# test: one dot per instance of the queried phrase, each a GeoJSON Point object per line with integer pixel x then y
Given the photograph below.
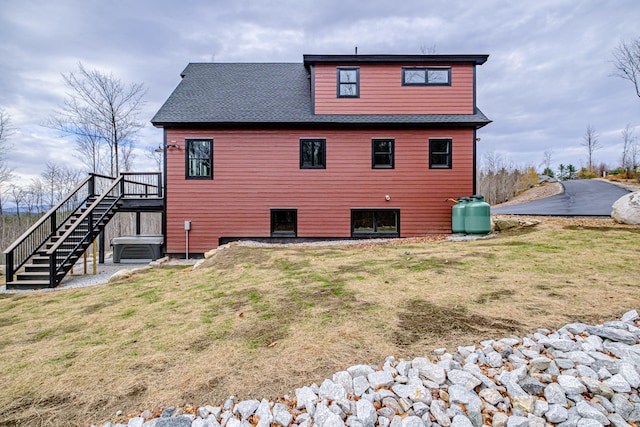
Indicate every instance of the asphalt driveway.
{"type": "Point", "coordinates": [585, 197]}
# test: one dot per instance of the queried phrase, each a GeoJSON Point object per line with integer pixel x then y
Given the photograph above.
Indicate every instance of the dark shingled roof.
{"type": "Point", "coordinates": [269, 93]}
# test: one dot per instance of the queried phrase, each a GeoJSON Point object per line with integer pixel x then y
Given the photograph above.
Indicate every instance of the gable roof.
{"type": "Point", "coordinates": [269, 93]}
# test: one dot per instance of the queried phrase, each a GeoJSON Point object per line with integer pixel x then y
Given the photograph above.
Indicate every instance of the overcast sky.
{"type": "Point", "coordinates": [549, 73]}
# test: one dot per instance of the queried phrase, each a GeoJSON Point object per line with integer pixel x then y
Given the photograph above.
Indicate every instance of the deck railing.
{"type": "Point", "coordinates": [142, 184]}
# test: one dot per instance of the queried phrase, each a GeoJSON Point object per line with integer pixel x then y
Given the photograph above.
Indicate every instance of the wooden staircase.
{"type": "Point", "coordinates": [49, 249]}
{"type": "Point", "coordinates": [36, 272]}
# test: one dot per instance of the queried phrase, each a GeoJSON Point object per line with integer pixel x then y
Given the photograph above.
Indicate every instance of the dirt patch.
{"type": "Point", "coordinates": [600, 229]}
{"type": "Point", "coordinates": [230, 257]}
{"type": "Point", "coordinates": [421, 320]}
{"type": "Point", "coordinates": [494, 296]}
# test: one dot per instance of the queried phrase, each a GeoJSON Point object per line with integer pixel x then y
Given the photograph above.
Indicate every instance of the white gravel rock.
{"type": "Point", "coordinates": [618, 384]}
{"type": "Point", "coordinates": [587, 380]}
{"type": "Point", "coordinates": [571, 384]}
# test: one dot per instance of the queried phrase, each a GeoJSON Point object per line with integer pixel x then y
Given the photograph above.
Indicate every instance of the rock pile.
{"type": "Point", "coordinates": [578, 376]}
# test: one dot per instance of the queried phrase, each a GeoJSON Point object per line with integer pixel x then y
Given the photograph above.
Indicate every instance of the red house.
{"type": "Point", "coordinates": [338, 146]}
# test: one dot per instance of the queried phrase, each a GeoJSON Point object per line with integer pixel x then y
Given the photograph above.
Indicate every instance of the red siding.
{"type": "Point", "coordinates": [255, 171]}
{"type": "Point", "coordinates": [381, 92]}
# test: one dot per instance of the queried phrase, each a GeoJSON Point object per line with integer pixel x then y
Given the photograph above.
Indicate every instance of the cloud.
{"type": "Point", "coordinates": [549, 74]}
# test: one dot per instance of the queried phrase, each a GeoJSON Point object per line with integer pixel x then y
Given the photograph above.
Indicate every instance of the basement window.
{"type": "Point", "coordinates": [284, 222]}
{"type": "Point", "coordinates": [368, 223]}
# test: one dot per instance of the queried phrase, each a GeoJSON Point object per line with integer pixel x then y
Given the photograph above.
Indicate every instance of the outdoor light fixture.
{"type": "Point", "coordinates": [160, 149]}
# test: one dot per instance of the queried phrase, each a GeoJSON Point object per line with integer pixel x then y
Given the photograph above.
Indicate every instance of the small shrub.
{"type": "Point", "coordinates": [585, 173]}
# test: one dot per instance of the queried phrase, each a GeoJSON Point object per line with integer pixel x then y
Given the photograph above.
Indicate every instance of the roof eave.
{"type": "Point", "coordinates": [477, 124]}
{"type": "Point", "coordinates": [477, 59]}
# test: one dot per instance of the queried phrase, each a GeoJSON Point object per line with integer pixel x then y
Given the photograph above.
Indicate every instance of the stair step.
{"type": "Point", "coordinates": [28, 284]}
{"type": "Point", "coordinates": [36, 268]}
{"type": "Point", "coordinates": [37, 259]}
{"type": "Point", "coordinates": [35, 275]}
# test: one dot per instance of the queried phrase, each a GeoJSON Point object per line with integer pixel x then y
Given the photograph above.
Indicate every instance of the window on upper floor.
{"type": "Point", "coordinates": [439, 154]}
{"type": "Point", "coordinates": [348, 82]}
{"type": "Point", "coordinates": [199, 159]}
{"type": "Point", "coordinates": [426, 76]}
{"type": "Point", "coordinates": [313, 154]}
{"type": "Point", "coordinates": [382, 153]}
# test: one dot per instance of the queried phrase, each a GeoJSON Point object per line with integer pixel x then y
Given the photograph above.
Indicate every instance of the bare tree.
{"type": "Point", "coordinates": [51, 177]}
{"type": "Point", "coordinates": [628, 141]}
{"type": "Point", "coordinates": [128, 155]}
{"type": "Point", "coordinates": [58, 181]}
{"type": "Point", "coordinates": [634, 156]}
{"type": "Point", "coordinates": [69, 178]}
{"type": "Point", "coordinates": [546, 163]}
{"type": "Point", "coordinates": [428, 50]}
{"type": "Point", "coordinates": [37, 193]}
{"type": "Point", "coordinates": [591, 143]}
{"type": "Point", "coordinates": [626, 58]}
{"type": "Point", "coordinates": [6, 130]}
{"type": "Point", "coordinates": [100, 106]}
{"type": "Point", "coordinates": [154, 154]}
{"type": "Point", "coordinates": [89, 147]}
{"type": "Point", "coordinates": [18, 194]}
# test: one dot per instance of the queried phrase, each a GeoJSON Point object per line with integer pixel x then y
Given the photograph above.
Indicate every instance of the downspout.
{"type": "Point", "coordinates": [475, 166]}
{"type": "Point", "coordinates": [475, 138]}
{"type": "Point", "coordinates": [164, 190]}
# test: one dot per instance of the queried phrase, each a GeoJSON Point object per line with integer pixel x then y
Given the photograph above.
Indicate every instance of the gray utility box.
{"type": "Point", "coordinates": [137, 249]}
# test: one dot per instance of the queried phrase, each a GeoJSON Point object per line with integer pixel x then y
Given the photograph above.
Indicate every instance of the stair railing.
{"type": "Point", "coordinates": [59, 257]}
{"type": "Point", "coordinates": [35, 237]}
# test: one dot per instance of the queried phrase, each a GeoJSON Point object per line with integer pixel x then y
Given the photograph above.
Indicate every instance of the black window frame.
{"type": "Point", "coordinates": [340, 83]}
{"type": "Point", "coordinates": [375, 233]}
{"type": "Point", "coordinates": [284, 234]}
{"type": "Point", "coordinates": [391, 153]}
{"type": "Point", "coordinates": [433, 153]}
{"type": "Point", "coordinates": [426, 81]}
{"type": "Point", "coordinates": [323, 143]}
{"type": "Point", "coordinates": [188, 158]}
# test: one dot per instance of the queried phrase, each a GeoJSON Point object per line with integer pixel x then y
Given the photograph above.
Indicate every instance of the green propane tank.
{"type": "Point", "coordinates": [457, 215]}
{"type": "Point", "coordinates": [477, 216]}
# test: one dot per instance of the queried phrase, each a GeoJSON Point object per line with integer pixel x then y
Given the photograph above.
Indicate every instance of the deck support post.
{"type": "Point", "coordinates": [138, 223]}
{"type": "Point", "coordinates": [101, 247]}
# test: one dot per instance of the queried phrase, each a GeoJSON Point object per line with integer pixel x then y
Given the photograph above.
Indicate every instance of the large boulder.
{"type": "Point", "coordinates": [626, 210]}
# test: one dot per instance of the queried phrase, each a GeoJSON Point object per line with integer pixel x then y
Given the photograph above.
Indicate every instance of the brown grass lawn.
{"type": "Point", "coordinates": [260, 322]}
